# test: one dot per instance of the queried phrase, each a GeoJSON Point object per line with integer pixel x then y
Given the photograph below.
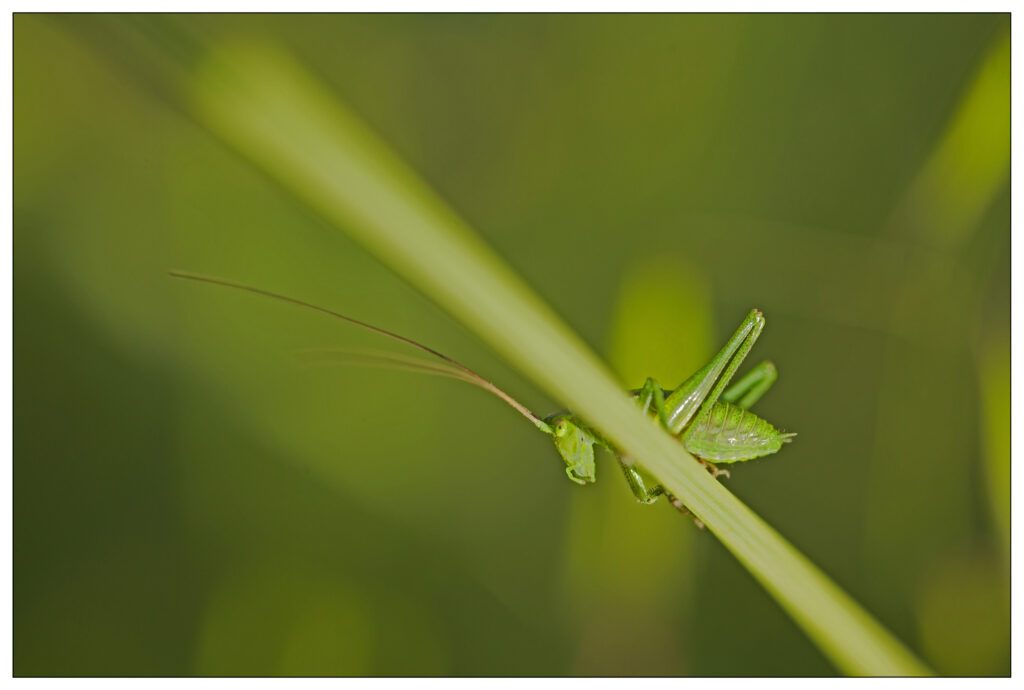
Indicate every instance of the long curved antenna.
{"type": "Point", "coordinates": [382, 360]}
{"type": "Point", "coordinates": [467, 374]}
{"type": "Point", "coordinates": [387, 360]}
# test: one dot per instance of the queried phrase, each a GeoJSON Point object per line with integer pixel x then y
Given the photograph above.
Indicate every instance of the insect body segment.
{"type": "Point", "coordinates": [711, 418]}
{"type": "Point", "coordinates": [733, 434]}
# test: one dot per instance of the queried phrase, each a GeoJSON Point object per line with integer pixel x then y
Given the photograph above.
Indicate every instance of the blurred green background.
{"type": "Point", "coordinates": [191, 500]}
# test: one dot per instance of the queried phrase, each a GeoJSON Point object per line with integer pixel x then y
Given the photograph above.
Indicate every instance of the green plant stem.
{"type": "Point", "coordinates": [279, 117]}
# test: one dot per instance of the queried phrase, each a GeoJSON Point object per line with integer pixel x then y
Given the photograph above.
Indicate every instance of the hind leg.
{"type": "Point", "coordinates": [698, 394]}
{"type": "Point", "coordinates": [749, 389]}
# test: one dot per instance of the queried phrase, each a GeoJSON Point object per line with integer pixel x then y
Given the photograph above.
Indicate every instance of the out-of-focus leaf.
{"type": "Point", "coordinates": [916, 430]}
{"type": "Point", "coordinates": [269, 621]}
{"type": "Point", "coordinates": [971, 161]}
{"type": "Point", "coordinates": [994, 380]}
{"type": "Point", "coordinates": [663, 324]}
{"type": "Point", "coordinates": [964, 616]}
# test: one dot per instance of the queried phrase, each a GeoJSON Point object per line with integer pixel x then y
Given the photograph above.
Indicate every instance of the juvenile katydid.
{"type": "Point", "coordinates": [711, 419]}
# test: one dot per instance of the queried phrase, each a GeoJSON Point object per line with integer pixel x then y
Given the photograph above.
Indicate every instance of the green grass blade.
{"type": "Point", "coordinates": [280, 118]}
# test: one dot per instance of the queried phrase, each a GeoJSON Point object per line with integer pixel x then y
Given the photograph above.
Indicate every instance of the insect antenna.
{"type": "Point", "coordinates": [385, 360]}
{"type": "Point", "coordinates": [446, 367]}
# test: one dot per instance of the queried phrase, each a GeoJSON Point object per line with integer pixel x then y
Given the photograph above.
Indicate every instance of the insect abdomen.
{"type": "Point", "coordinates": [732, 434]}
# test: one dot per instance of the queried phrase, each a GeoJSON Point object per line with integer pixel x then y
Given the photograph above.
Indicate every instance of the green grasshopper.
{"type": "Point", "coordinates": [712, 419]}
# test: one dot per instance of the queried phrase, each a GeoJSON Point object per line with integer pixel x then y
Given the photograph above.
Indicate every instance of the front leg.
{"type": "Point", "coordinates": [644, 487]}
{"type": "Point", "coordinates": [652, 396]}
